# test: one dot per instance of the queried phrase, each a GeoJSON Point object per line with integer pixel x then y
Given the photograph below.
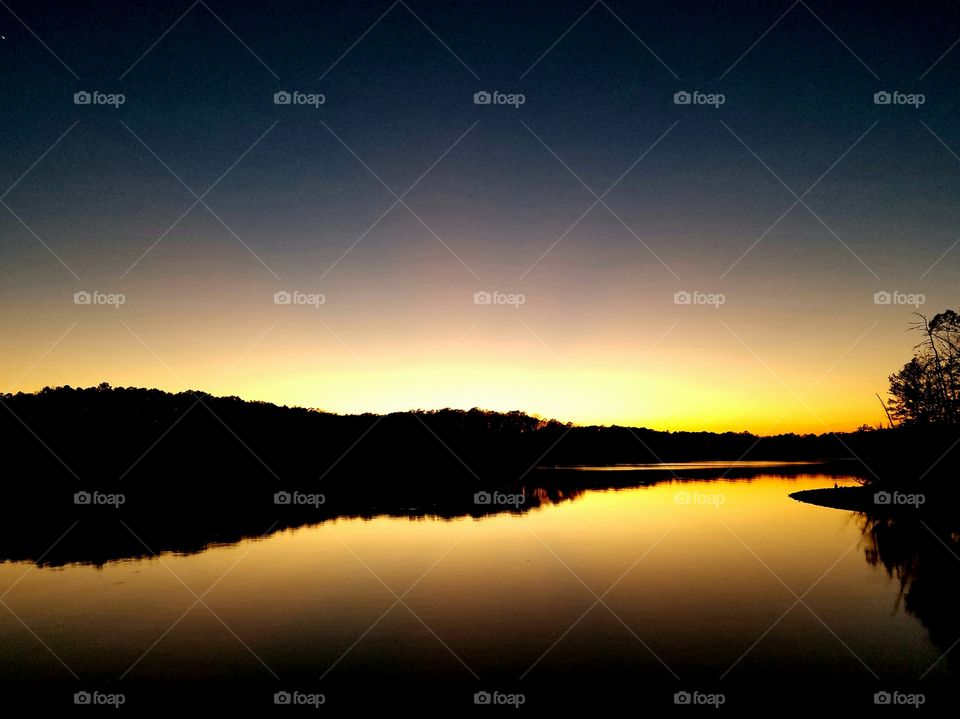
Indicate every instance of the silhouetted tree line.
{"type": "Point", "coordinates": [122, 434]}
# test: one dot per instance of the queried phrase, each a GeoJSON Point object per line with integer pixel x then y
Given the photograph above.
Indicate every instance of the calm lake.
{"type": "Point", "coordinates": [712, 587]}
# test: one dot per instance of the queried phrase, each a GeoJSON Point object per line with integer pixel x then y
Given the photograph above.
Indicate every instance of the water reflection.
{"type": "Point", "coordinates": [923, 557]}
{"type": "Point", "coordinates": [507, 598]}
{"type": "Point", "coordinates": [99, 535]}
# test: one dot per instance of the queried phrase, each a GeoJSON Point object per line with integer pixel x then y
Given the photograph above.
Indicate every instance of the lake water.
{"type": "Point", "coordinates": [710, 587]}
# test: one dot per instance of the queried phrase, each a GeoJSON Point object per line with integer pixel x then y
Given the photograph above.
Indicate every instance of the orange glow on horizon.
{"type": "Point", "coordinates": [665, 368]}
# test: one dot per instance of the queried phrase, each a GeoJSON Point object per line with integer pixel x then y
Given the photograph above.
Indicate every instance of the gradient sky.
{"type": "Point", "coordinates": [798, 345]}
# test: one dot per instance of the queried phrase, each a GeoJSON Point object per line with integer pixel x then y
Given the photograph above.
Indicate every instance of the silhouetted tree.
{"type": "Point", "coordinates": [927, 389]}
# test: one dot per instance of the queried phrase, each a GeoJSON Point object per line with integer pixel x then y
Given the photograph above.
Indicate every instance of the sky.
{"type": "Point", "coordinates": [707, 265]}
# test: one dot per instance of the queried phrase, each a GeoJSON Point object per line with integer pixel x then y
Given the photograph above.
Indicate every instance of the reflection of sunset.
{"type": "Point", "coordinates": [500, 590]}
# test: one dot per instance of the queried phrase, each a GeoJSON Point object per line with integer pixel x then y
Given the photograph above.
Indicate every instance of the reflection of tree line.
{"type": "Point", "coordinates": [102, 535]}
{"type": "Point", "coordinates": [924, 557]}
{"type": "Point", "coordinates": [105, 534]}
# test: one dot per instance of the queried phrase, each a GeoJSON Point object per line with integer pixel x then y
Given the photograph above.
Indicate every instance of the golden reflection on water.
{"type": "Point", "coordinates": [698, 569]}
